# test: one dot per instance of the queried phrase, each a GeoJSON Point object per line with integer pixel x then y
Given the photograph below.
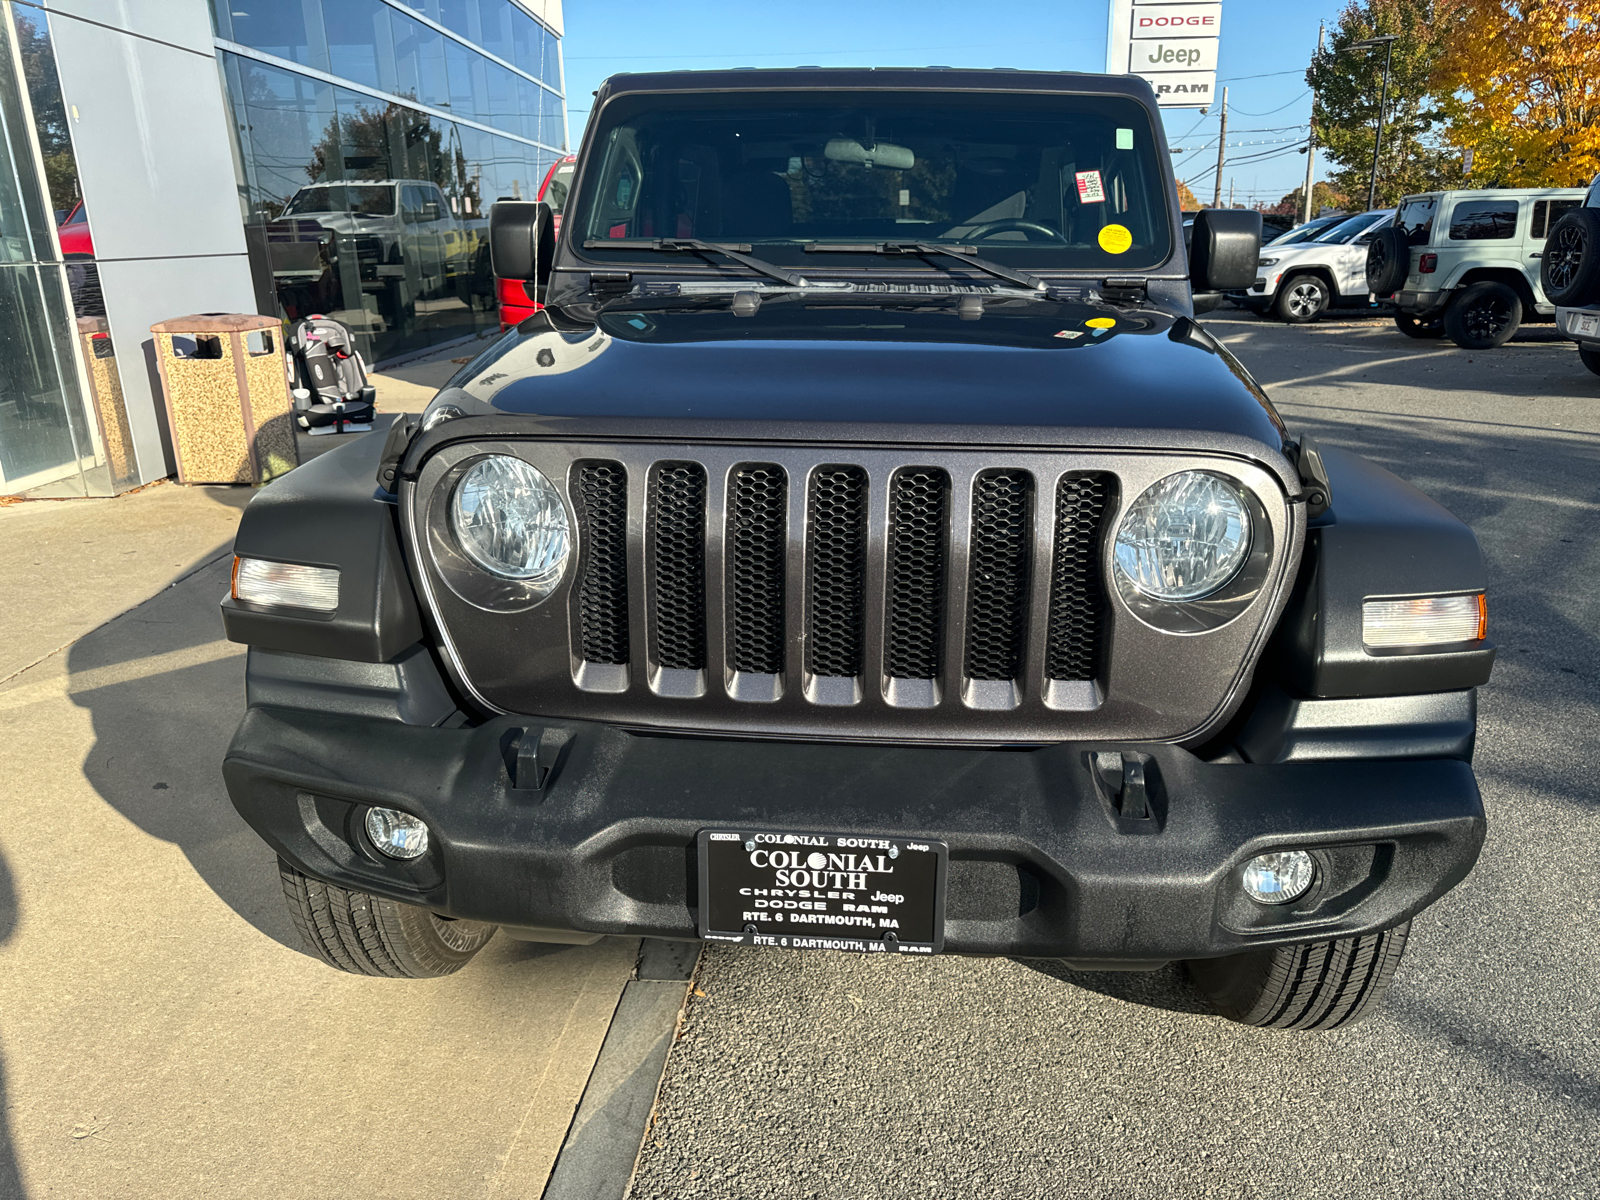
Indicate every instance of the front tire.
{"type": "Point", "coordinates": [1301, 300]}
{"type": "Point", "coordinates": [372, 935]}
{"type": "Point", "coordinates": [1591, 358]}
{"type": "Point", "coordinates": [1417, 327]}
{"type": "Point", "coordinates": [1483, 316]}
{"type": "Point", "coordinates": [1321, 986]}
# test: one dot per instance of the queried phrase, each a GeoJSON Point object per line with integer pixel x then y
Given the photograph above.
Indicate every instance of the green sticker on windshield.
{"type": "Point", "coordinates": [1124, 139]}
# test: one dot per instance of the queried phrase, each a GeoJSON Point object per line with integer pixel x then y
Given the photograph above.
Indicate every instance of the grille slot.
{"type": "Point", "coordinates": [1077, 597]}
{"type": "Point", "coordinates": [836, 561]}
{"type": "Point", "coordinates": [601, 493]}
{"type": "Point", "coordinates": [919, 518]}
{"type": "Point", "coordinates": [758, 498]}
{"type": "Point", "coordinates": [997, 589]}
{"type": "Point", "coordinates": [677, 536]}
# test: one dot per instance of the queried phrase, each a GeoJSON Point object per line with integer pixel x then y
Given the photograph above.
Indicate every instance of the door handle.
{"type": "Point", "coordinates": [1536, 256]}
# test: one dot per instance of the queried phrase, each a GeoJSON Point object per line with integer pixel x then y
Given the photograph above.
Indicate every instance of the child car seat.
{"type": "Point", "coordinates": [327, 378]}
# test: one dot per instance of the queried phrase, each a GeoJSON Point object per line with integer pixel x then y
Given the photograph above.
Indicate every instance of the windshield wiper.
{"type": "Point", "coordinates": [696, 246]}
{"type": "Point", "coordinates": [967, 254]}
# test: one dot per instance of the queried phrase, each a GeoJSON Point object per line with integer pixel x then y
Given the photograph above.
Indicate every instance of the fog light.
{"type": "Point", "coordinates": [397, 834]}
{"type": "Point", "coordinates": [1280, 877]}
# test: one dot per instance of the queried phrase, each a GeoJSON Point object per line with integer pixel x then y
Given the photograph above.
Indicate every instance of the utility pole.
{"type": "Point", "coordinates": [1230, 191]}
{"type": "Point", "coordinates": [1222, 150]}
{"type": "Point", "coordinates": [1311, 134]}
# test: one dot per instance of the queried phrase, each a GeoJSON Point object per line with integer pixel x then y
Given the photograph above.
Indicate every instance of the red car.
{"type": "Point", "coordinates": [74, 233]}
{"type": "Point", "coordinates": [515, 304]}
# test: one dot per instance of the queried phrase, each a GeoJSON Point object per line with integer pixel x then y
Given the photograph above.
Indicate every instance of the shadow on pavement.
{"type": "Point", "coordinates": [162, 724]}
{"type": "Point", "coordinates": [10, 1173]}
{"type": "Point", "coordinates": [1168, 989]}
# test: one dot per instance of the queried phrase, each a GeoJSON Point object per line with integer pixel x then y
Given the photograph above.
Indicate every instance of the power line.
{"type": "Point", "coordinates": [1280, 107]}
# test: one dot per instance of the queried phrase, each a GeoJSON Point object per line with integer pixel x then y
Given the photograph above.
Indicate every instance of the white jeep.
{"type": "Point", "coordinates": [1466, 263]}
{"type": "Point", "coordinates": [1299, 281]}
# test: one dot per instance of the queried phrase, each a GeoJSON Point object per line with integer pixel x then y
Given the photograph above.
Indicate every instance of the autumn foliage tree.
{"type": "Point", "coordinates": [1186, 200]}
{"type": "Point", "coordinates": [1349, 86]}
{"type": "Point", "coordinates": [1520, 87]}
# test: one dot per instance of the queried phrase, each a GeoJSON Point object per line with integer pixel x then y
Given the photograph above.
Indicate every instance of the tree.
{"type": "Point", "coordinates": [49, 113]}
{"type": "Point", "coordinates": [1348, 86]}
{"type": "Point", "coordinates": [1186, 200]}
{"type": "Point", "coordinates": [1521, 81]}
{"type": "Point", "coordinates": [1323, 195]}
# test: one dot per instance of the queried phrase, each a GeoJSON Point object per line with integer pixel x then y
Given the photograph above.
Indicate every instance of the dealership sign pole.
{"type": "Point", "coordinates": [1170, 43]}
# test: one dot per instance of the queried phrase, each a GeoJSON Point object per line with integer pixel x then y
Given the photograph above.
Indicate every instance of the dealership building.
{"type": "Point", "coordinates": [281, 157]}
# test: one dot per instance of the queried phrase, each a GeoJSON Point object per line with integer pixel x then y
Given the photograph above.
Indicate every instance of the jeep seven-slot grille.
{"type": "Point", "coordinates": [836, 566]}
{"type": "Point", "coordinates": [602, 504]}
{"type": "Point", "coordinates": [997, 592]}
{"type": "Point", "coordinates": [677, 532]}
{"type": "Point", "coordinates": [919, 528]}
{"type": "Point", "coordinates": [1077, 603]}
{"type": "Point", "coordinates": [758, 498]}
{"type": "Point", "coordinates": [834, 571]}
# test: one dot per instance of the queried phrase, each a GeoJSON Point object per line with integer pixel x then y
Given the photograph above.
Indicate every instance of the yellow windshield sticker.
{"type": "Point", "coordinates": [1100, 322]}
{"type": "Point", "coordinates": [1115, 239]}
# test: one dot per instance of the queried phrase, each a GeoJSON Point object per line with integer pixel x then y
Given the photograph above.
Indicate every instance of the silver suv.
{"type": "Point", "coordinates": [1466, 263]}
{"type": "Point", "coordinates": [1298, 282]}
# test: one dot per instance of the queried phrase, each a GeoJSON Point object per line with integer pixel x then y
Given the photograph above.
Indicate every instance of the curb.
{"type": "Point", "coordinates": [597, 1158]}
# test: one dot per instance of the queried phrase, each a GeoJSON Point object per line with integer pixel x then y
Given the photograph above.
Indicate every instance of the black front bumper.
{"type": "Point", "coordinates": [1041, 863]}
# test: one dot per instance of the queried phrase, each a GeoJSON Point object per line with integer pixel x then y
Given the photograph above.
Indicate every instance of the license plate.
{"type": "Point", "coordinates": [1584, 324]}
{"type": "Point", "coordinates": [822, 891]}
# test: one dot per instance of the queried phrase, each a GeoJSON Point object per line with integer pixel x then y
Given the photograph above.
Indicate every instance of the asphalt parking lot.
{"type": "Point", "coordinates": [821, 1075]}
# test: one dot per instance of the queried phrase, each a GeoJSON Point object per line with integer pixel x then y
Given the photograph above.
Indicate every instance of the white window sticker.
{"type": "Point", "coordinates": [1124, 139]}
{"type": "Point", "coordinates": [1090, 189]}
{"type": "Point", "coordinates": [905, 197]}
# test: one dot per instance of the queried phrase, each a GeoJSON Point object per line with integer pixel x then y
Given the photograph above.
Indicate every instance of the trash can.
{"type": "Point", "coordinates": [227, 394]}
{"type": "Point", "coordinates": [105, 392]}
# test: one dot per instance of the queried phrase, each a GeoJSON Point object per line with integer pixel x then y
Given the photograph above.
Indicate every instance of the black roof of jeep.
{"type": "Point", "coordinates": [940, 79]}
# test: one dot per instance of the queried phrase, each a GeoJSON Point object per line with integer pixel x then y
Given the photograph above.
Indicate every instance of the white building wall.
{"type": "Point", "coordinates": [155, 163]}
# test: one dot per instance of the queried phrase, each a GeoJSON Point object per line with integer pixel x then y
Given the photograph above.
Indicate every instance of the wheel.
{"type": "Point", "coordinates": [1301, 300]}
{"type": "Point", "coordinates": [1419, 327]}
{"type": "Point", "coordinates": [1388, 261]}
{"type": "Point", "coordinates": [1324, 985]}
{"type": "Point", "coordinates": [1483, 316]}
{"type": "Point", "coordinates": [1590, 357]}
{"type": "Point", "coordinates": [1569, 272]}
{"type": "Point", "coordinates": [372, 935]}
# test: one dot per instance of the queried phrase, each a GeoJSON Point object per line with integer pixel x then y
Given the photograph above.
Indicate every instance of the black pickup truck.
{"type": "Point", "coordinates": [865, 549]}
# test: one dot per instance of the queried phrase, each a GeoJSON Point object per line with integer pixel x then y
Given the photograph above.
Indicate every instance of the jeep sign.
{"type": "Point", "coordinates": [1172, 44]}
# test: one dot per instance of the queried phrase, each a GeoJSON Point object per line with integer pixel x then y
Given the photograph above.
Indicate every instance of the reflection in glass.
{"type": "Point", "coordinates": [367, 208]}
{"type": "Point", "coordinates": [283, 28]}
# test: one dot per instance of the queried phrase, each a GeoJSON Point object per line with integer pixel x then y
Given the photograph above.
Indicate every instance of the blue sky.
{"type": "Point", "coordinates": [1264, 50]}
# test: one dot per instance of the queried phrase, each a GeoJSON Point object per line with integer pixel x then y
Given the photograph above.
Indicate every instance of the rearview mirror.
{"type": "Point", "coordinates": [1224, 250]}
{"type": "Point", "coordinates": [884, 154]}
{"type": "Point", "coordinates": [522, 242]}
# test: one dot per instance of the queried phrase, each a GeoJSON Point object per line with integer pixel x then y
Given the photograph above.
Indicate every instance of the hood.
{"type": "Point", "coordinates": [1024, 363]}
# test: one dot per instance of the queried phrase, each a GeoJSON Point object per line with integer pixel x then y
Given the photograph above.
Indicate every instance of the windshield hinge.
{"type": "Point", "coordinates": [609, 283]}
{"type": "Point", "coordinates": [1123, 291]}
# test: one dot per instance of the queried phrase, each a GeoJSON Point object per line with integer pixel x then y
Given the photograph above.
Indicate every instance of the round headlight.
{"type": "Point", "coordinates": [509, 520]}
{"type": "Point", "coordinates": [1184, 537]}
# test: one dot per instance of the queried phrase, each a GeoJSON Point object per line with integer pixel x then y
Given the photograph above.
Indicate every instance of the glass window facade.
{"type": "Point", "coordinates": [51, 442]}
{"type": "Point", "coordinates": [366, 184]}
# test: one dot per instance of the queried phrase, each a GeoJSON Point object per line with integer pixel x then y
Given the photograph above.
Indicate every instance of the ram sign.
{"type": "Point", "coordinates": [1170, 43]}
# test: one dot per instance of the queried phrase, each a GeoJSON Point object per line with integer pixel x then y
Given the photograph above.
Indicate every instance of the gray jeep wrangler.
{"type": "Point", "coordinates": [864, 549]}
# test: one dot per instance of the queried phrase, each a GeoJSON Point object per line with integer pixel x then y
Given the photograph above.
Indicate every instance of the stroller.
{"type": "Point", "coordinates": [327, 378]}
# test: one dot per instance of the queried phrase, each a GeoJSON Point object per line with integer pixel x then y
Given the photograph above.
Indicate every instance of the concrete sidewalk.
{"type": "Point", "coordinates": [162, 1033]}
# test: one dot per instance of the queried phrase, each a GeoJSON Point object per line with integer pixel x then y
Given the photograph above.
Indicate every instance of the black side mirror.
{"type": "Point", "coordinates": [1225, 248]}
{"type": "Point", "coordinates": [522, 242]}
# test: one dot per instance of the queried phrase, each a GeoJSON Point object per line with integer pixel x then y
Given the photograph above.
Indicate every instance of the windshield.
{"type": "Point", "coordinates": [1301, 233]}
{"type": "Point", "coordinates": [1346, 231]}
{"type": "Point", "coordinates": [370, 200]}
{"type": "Point", "coordinates": [1044, 181]}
